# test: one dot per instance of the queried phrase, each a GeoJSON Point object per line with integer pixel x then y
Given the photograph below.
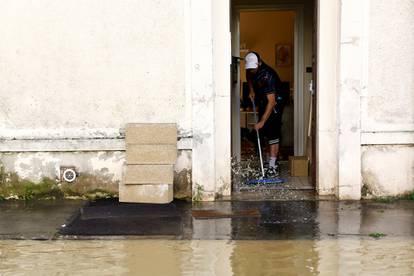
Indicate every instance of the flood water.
{"type": "Point", "coordinates": [287, 238]}
{"type": "Point", "coordinates": [345, 255]}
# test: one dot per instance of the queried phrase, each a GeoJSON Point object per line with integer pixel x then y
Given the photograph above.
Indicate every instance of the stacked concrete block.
{"type": "Point", "coordinates": [151, 152]}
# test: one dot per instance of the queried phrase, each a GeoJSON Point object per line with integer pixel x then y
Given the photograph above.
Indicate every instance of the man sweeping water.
{"type": "Point", "coordinates": [266, 89]}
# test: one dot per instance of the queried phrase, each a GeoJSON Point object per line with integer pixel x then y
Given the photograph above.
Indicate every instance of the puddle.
{"type": "Point", "coordinates": [342, 256]}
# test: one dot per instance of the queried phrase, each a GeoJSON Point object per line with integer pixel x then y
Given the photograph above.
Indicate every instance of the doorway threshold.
{"type": "Point", "coordinates": [292, 188]}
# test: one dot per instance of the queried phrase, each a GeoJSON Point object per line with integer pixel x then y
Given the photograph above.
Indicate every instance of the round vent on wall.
{"type": "Point", "coordinates": [69, 175]}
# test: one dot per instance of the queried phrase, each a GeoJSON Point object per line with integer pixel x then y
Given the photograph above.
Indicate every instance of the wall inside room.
{"type": "Point", "coordinates": [261, 31]}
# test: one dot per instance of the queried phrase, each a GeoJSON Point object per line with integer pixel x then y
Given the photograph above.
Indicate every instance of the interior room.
{"type": "Point", "coordinates": [271, 34]}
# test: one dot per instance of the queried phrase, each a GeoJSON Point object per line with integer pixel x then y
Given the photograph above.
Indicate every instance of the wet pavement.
{"type": "Point", "coordinates": [227, 220]}
{"type": "Point", "coordinates": [35, 220]}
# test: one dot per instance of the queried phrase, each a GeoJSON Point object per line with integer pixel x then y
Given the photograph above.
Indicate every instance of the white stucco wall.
{"type": "Point", "coordinates": [387, 106]}
{"type": "Point", "coordinates": [327, 85]}
{"type": "Point", "coordinates": [73, 73]}
{"type": "Point", "coordinates": [388, 170]}
{"type": "Point", "coordinates": [370, 116]}
{"type": "Point", "coordinates": [77, 68]}
{"type": "Point", "coordinates": [389, 101]}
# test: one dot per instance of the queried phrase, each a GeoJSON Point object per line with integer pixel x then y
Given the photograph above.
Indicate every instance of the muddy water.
{"type": "Point", "coordinates": [342, 256]}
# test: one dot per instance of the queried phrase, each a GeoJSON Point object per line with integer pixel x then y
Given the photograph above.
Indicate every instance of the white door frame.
{"type": "Point", "coordinates": [299, 139]}
{"type": "Point", "coordinates": [328, 45]}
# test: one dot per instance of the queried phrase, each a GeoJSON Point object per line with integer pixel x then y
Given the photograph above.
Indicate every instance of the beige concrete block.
{"type": "Point", "coordinates": [151, 134]}
{"type": "Point", "coordinates": [157, 193]}
{"type": "Point", "coordinates": [151, 154]}
{"type": "Point", "coordinates": [149, 174]}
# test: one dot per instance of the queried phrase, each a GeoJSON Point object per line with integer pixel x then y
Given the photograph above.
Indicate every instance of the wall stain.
{"type": "Point", "coordinates": [182, 184]}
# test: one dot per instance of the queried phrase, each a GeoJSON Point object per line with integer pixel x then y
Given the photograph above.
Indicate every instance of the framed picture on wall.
{"type": "Point", "coordinates": [283, 55]}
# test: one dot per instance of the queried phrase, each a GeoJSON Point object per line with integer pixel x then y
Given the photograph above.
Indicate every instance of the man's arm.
{"type": "Point", "coordinates": [271, 103]}
{"type": "Point", "coordinates": [250, 83]}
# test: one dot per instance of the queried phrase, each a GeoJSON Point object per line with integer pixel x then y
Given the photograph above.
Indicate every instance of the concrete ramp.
{"type": "Point", "coordinates": [151, 152]}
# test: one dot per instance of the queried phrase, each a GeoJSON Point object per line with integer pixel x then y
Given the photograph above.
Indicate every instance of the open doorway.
{"type": "Point", "coordinates": [271, 34]}
{"type": "Point", "coordinates": [283, 36]}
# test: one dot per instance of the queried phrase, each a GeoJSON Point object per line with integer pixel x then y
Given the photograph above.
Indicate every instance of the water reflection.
{"type": "Point", "coordinates": [274, 220]}
{"type": "Point", "coordinates": [306, 220]}
{"type": "Point", "coordinates": [343, 256]}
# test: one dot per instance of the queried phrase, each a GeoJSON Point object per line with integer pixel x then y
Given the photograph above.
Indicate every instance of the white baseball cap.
{"type": "Point", "coordinates": [252, 62]}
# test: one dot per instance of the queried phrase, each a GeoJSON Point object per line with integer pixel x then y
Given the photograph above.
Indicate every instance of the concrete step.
{"type": "Point", "coordinates": [151, 134]}
{"type": "Point", "coordinates": [155, 193]}
{"type": "Point", "coordinates": [149, 174]}
{"type": "Point", "coordinates": [151, 154]}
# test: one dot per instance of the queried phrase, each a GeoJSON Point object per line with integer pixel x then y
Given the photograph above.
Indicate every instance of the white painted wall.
{"type": "Point", "coordinates": [73, 73]}
{"type": "Point", "coordinates": [389, 101]}
{"type": "Point", "coordinates": [85, 68]}
{"type": "Point", "coordinates": [368, 121]}
{"type": "Point", "coordinates": [388, 170]}
{"type": "Point", "coordinates": [387, 107]}
{"type": "Point", "coordinates": [352, 84]}
{"type": "Point", "coordinates": [221, 74]}
{"type": "Point", "coordinates": [210, 88]}
{"type": "Point", "coordinates": [327, 85]}
{"type": "Point", "coordinates": [203, 100]}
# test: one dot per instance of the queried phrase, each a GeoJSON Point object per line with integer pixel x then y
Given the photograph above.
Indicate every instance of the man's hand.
{"type": "Point", "coordinates": [251, 95]}
{"type": "Point", "coordinates": [259, 125]}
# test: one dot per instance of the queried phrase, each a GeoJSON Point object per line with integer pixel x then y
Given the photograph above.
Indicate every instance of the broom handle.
{"type": "Point", "coordinates": [258, 140]}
